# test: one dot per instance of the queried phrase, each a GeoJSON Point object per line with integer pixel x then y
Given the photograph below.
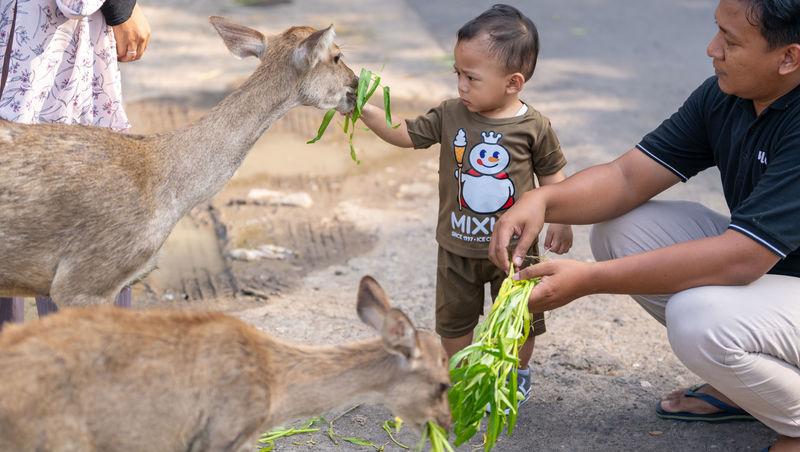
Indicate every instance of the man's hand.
{"type": "Point", "coordinates": [558, 238]}
{"type": "Point", "coordinates": [562, 282]}
{"type": "Point", "coordinates": [524, 220]}
{"type": "Point", "coordinates": [132, 36]}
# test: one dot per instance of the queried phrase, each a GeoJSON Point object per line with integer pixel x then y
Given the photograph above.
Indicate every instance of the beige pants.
{"type": "Point", "coordinates": [743, 340]}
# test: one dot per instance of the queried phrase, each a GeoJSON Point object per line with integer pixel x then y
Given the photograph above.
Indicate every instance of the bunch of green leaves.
{"type": "Point", "coordinates": [437, 437]}
{"type": "Point", "coordinates": [485, 372]}
{"type": "Point", "coordinates": [267, 440]}
{"type": "Point", "coordinates": [368, 83]}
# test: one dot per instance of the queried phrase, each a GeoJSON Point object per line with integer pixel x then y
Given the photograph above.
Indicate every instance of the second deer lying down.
{"type": "Point", "coordinates": [105, 379]}
{"type": "Point", "coordinates": [83, 210]}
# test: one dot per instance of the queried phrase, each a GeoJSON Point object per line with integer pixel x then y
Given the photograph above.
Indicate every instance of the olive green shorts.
{"type": "Point", "coordinates": [460, 293]}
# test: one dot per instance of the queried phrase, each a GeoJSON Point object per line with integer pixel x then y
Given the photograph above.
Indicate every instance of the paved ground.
{"type": "Point", "coordinates": [609, 72]}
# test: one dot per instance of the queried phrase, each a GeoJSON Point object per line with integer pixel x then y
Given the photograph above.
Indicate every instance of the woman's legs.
{"type": "Point", "coordinates": [11, 310]}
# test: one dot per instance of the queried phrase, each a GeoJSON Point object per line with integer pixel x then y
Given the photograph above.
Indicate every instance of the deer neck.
{"type": "Point", "coordinates": [323, 379]}
{"type": "Point", "coordinates": [203, 156]}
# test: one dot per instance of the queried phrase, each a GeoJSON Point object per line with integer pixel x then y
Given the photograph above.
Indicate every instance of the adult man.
{"type": "Point", "coordinates": [733, 313]}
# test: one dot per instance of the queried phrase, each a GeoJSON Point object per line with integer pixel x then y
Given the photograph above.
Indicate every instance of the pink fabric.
{"type": "Point", "coordinates": [63, 64]}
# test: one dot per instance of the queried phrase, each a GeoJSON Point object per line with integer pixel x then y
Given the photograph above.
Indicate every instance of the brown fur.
{"type": "Point", "coordinates": [83, 210]}
{"type": "Point", "coordinates": [107, 379]}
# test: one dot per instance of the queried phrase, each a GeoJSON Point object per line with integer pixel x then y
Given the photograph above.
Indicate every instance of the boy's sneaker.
{"type": "Point", "coordinates": [523, 386]}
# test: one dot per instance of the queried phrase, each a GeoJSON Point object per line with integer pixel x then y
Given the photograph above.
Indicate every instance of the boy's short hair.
{"type": "Point", "coordinates": [513, 38]}
{"type": "Point", "coordinates": [778, 20]}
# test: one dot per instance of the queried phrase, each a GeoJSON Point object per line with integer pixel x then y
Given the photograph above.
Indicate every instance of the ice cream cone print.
{"type": "Point", "coordinates": [459, 145]}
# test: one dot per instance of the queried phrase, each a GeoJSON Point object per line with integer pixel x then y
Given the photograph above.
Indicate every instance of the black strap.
{"type": "Point", "coordinates": [117, 11]}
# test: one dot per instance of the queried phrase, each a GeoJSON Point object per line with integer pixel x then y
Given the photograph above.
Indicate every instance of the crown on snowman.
{"type": "Point", "coordinates": [491, 137]}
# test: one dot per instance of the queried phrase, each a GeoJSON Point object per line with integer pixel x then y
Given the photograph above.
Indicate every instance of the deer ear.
{"type": "Point", "coordinates": [373, 304]}
{"type": "Point", "coordinates": [314, 48]}
{"type": "Point", "coordinates": [240, 40]}
{"type": "Point", "coordinates": [400, 336]}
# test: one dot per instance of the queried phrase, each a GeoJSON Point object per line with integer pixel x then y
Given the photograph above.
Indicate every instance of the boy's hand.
{"type": "Point", "coordinates": [558, 238]}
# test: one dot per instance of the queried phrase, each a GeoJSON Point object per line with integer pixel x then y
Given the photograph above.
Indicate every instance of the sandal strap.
{"type": "Point", "coordinates": [713, 401]}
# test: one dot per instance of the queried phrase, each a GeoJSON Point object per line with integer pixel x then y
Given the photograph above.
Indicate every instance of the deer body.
{"type": "Point", "coordinates": [107, 379]}
{"type": "Point", "coordinates": [84, 210]}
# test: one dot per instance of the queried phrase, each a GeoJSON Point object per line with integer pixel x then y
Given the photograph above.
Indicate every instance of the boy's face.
{"type": "Point", "coordinates": [483, 84]}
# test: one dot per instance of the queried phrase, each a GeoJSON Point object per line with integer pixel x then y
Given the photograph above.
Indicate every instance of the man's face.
{"type": "Point", "coordinates": [743, 62]}
{"type": "Point", "coordinates": [482, 80]}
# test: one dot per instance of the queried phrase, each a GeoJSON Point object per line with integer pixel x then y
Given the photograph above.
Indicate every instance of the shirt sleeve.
{"type": "Point", "coordinates": [681, 142]}
{"type": "Point", "coordinates": [117, 11]}
{"type": "Point", "coordinates": [769, 214]}
{"type": "Point", "coordinates": [546, 151]}
{"type": "Point", "coordinates": [426, 130]}
{"type": "Point", "coordinates": [76, 9]}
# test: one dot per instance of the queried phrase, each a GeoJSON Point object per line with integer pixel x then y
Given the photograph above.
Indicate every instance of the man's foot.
{"type": "Point", "coordinates": [700, 403]}
{"type": "Point", "coordinates": [677, 401]}
{"type": "Point", "coordinates": [785, 444]}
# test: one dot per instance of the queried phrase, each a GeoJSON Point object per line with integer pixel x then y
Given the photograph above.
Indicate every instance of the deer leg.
{"type": "Point", "coordinates": [74, 286]}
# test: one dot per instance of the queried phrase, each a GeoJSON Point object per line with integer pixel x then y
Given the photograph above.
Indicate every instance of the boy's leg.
{"type": "Point", "coordinates": [459, 300]}
{"type": "Point", "coordinates": [11, 310]}
{"type": "Point", "coordinates": [453, 345]}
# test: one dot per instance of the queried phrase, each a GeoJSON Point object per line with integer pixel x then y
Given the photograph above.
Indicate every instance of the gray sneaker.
{"type": "Point", "coordinates": [523, 386]}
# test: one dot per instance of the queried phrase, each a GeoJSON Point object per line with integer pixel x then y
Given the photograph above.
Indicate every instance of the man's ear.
{"type": "Point", "coordinates": [314, 48]}
{"type": "Point", "coordinates": [240, 40]}
{"type": "Point", "coordinates": [514, 83]}
{"type": "Point", "coordinates": [791, 60]}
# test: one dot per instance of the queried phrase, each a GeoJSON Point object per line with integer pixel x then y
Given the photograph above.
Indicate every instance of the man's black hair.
{"type": "Point", "coordinates": [513, 38]}
{"type": "Point", "coordinates": [779, 20]}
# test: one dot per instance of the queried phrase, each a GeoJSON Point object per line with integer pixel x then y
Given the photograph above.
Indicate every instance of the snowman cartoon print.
{"type": "Point", "coordinates": [486, 187]}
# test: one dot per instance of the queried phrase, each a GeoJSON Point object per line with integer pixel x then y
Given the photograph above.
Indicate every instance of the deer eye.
{"type": "Point", "coordinates": [337, 58]}
{"type": "Point", "coordinates": [443, 387]}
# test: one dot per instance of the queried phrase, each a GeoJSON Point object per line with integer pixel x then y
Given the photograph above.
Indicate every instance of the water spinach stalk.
{"type": "Point", "coordinates": [484, 374]}
{"type": "Point", "coordinates": [368, 83]}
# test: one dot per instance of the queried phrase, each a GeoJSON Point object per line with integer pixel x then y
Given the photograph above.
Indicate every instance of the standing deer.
{"type": "Point", "coordinates": [83, 210]}
{"type": "Point", "coordinates": [108, 379]}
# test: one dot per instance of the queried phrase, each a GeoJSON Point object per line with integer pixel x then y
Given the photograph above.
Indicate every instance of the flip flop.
{"type": "Point", "coordinates": [727, 412]}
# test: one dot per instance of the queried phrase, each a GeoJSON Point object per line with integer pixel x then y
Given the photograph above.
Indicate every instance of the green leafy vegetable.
{"type": "Point", "coordinates": [485, 372]}
{"type": "Point", "coordinates": [368, 83]}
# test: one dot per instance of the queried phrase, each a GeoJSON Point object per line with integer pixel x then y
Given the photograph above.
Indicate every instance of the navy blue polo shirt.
{"type": "Point", "coordinates": [758, 158]}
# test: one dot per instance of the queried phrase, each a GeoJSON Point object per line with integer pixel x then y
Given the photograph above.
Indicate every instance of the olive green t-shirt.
{"type": "Point", "coordinates": [494, 159]}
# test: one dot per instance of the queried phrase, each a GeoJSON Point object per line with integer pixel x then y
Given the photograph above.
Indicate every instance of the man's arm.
{"type": "Point", "coordinates": [726, 260]}
{"type": "Point", "coordinates": [591, 196]}
{"type": "Point", "coordinates": [375, 119]}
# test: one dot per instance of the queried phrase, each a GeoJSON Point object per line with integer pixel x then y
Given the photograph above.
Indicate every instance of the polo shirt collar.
{"type": "Point", "coordinates": [787, 99]}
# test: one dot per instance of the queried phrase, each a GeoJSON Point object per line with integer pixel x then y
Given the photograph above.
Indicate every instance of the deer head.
{"type": "Point", "coordinates": [318, 74]}
{"type": "Point", "coordinates": [419, 392]}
